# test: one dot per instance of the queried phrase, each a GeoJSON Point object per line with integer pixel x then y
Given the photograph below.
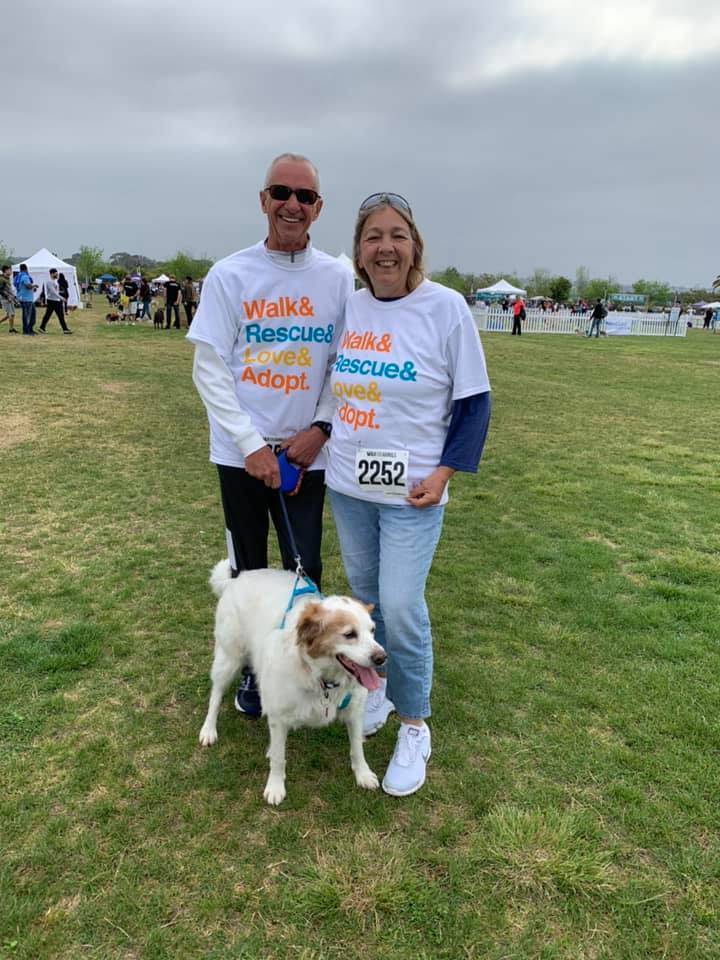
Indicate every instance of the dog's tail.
{"type": "Point", "coordinates": [220, 577]}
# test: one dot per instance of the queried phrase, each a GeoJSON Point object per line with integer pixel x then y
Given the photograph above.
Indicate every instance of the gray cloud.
{"type": "Point", "coordinates": [147, 127]}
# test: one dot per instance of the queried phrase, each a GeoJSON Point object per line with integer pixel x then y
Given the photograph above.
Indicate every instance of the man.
{"type": "Point", "coordinates": [25, 292]}
{"type": "Point", "coordinates": [130, 290]}
{"type": "Point", "coordinates": [7, 297]}
{"type": "Point", "coordinates": [596, 318]}
{"type": "Point", "coordinates": [54, 302]}
{"type": "Point", "coordinates": [189, 299]}
{"type": "Point", "coordinates": [172, 301]}
{"type": "Point", "coordinates": [265, 334]}
{"type": "Point", "coordinates": [518, 315]}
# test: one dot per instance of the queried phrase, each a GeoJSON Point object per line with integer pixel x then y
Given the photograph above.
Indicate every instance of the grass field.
{"type": "Point", "coordinates": [571, 808]}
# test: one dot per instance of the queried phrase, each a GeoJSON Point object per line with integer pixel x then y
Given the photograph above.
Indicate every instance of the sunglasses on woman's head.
{"type": "Point", "coordinates": [278, 191]}
{"type": "Point", "coordinates": [380, 199]}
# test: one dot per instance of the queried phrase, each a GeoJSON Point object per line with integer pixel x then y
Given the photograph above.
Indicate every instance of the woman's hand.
{"type": "Point", "coordinates": [429, 491]}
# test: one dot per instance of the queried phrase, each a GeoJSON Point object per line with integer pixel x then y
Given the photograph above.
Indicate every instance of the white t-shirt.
{"type": "Point", "coordinates": [274, 323]}
{"type": "Point", "coordinates": [399, 368]}
{"type": "Point", "coordinates": [52, 289]}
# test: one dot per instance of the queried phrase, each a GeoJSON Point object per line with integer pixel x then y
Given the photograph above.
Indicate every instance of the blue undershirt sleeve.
{"type": "Point", "coordinates": [467, 432]}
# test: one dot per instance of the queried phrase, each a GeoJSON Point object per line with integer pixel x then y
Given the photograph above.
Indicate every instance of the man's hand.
{"type": "Point", "coordinates": [263, 466]}
{"type": "Point", "coordinates": [428, 492]}
{"type": "Point", "coordinates": [304, 446]}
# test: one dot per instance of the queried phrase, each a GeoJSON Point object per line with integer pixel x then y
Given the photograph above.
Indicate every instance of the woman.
{"type": "Point", "coordinates": [145, 299]}
{"type": "Point", "coordinates": [413, 407]}
{"type": "Point", "coordinates": [64, 290]}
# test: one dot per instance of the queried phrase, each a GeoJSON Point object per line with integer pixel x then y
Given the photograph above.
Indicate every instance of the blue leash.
{"type": "Point", "coordinates": [301, 576]}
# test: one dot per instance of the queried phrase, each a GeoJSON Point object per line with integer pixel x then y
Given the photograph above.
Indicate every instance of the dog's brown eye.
{"type": "Point", "coordinates": [350, 634]}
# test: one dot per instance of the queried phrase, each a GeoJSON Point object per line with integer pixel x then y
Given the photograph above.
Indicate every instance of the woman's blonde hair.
{"type": "Point", "coordinates": [416, 273]}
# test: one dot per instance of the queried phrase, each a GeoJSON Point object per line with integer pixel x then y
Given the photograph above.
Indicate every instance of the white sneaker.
{"type": "Point", "coordinates": [406, 771]}
{"type": "Point", "coordinates": [377, 709]}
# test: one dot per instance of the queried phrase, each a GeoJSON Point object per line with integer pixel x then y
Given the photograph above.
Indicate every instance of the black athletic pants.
{"type": "Point", "coordinates": [54, 306]}
{"type": "Point", "coordinates": [249, 506]}
{"type": "Point", "coordinates": [176, 309]}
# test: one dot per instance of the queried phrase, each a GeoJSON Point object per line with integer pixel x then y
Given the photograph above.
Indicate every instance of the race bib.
{"type": "Point", "coordinates": [383, 471]}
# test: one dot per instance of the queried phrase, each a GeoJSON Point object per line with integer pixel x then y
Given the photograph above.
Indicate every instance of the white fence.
{"type": "Point", "coordinates": [616, 323]}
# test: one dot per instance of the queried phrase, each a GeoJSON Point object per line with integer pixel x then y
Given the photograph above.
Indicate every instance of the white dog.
{"type": "Point", "coordinates": [305, 670]}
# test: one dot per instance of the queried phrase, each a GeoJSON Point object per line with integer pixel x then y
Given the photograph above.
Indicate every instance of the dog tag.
{"type": "Point", "coordinates": [384, 471]}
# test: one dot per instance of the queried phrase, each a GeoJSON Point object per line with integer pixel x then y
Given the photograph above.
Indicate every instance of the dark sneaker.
{"type": "Point", "coordinates": [66, 332]}
{"type": "Point", "coordinates": [12, 330]}
{"type": "Point", "coordinates": [247, 698]}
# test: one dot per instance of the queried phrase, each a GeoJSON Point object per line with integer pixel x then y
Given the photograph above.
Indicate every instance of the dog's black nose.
{"type": "Point", "coordinates": [379, 659]}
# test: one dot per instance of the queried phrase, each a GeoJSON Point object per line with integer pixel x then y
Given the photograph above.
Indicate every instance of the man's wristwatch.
{"type": "Point", "coordinates": [323, 425]}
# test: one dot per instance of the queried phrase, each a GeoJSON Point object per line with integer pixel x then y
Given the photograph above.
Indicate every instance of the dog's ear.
{"type": "Point", "coordinates": [369, 607]}
{"type": "Point", "coordinates": [310, 624]}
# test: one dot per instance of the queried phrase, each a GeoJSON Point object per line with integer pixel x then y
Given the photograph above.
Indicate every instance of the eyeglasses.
{"type": "Point", "coordinates": [280, 192]}
{"type": "Point", "coordinates": [379, 199]}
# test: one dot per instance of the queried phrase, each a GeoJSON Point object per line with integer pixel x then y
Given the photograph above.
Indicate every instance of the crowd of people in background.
{"type": "Point", "coordinates": [21, 291]}
{"type": "Point", "coordinates": [132, 300]}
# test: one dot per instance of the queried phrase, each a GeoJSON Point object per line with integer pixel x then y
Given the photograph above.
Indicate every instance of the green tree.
{"type": "Point", "coordinates": [7, 254]}
{"type": "Point", "coordinates": [184, 264]}
{"type": "Point", "coordinates": [696, 295]}
{"type": "Point", "coordinates": [560, 288]}
{"type": "Point", "coordinates": [538, 284]}
{"type": "Point", "coordinates": [486, 280]}
{"type": "Point", "coordinates": [450, 277]}
{"type": "Point", "coordinates": [89, 262]}
{"type": "Point", "coordinates": [657, 293]}
{"type": "Point", "coordinates": [582, 279]}
{"type": "Point", "coordinates": [599, 288]}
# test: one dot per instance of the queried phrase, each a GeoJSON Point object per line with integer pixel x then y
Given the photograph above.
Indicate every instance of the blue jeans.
{"type": "Point", "coordinates": [28, 315]}
{"type": "Point", "coordinates": [387, 551]}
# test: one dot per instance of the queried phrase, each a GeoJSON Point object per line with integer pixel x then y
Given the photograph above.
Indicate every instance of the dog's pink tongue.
{"type": "Point", "coordinates": [368, 677]}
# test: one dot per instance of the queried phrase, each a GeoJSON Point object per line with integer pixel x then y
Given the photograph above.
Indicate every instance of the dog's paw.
{"type": "Point", "coordinates": [367, 779]}
{"type": "Point", "coordinates": [274, 792]}
{"type": "Point", "coordinates": [208, 735]}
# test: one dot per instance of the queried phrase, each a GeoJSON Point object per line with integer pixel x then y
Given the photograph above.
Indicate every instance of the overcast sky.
{"type": "Point", "coordinates": [532, 133]}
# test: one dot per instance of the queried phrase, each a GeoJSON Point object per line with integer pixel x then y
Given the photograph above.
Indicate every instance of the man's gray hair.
{"type": "Point", "coordinates": [296, 158]}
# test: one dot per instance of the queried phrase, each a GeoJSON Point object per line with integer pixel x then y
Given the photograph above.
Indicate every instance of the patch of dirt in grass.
{"type": "Point", "coordinates": [62, 909]}
{"type": "Point", "coordinates": [508, 590]}
{"type": "Point", "coordinates": [605, 736]}
{"type": "Point", "coordinates": [543, 854]}
{"type": "Point", "coordinates": [17, 428]}
{"type": "Point", "coordinates": [599, 538]}
{"type": "Point", "coordinates": [361, 876]}
{"type": "Point", "coordinates": [636, 579]}
{"type": "Point", "coordinates": [116, 387]}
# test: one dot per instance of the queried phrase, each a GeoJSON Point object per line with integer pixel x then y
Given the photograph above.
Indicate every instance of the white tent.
{"type": "Point", "coordinates": [39, 266]}
{"type": "Point", "coordinates": [163, 278]}
{"type": "Point", "coordinates": [346, 261]}
{"type": "Point", "coordinates": [502, 287]}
